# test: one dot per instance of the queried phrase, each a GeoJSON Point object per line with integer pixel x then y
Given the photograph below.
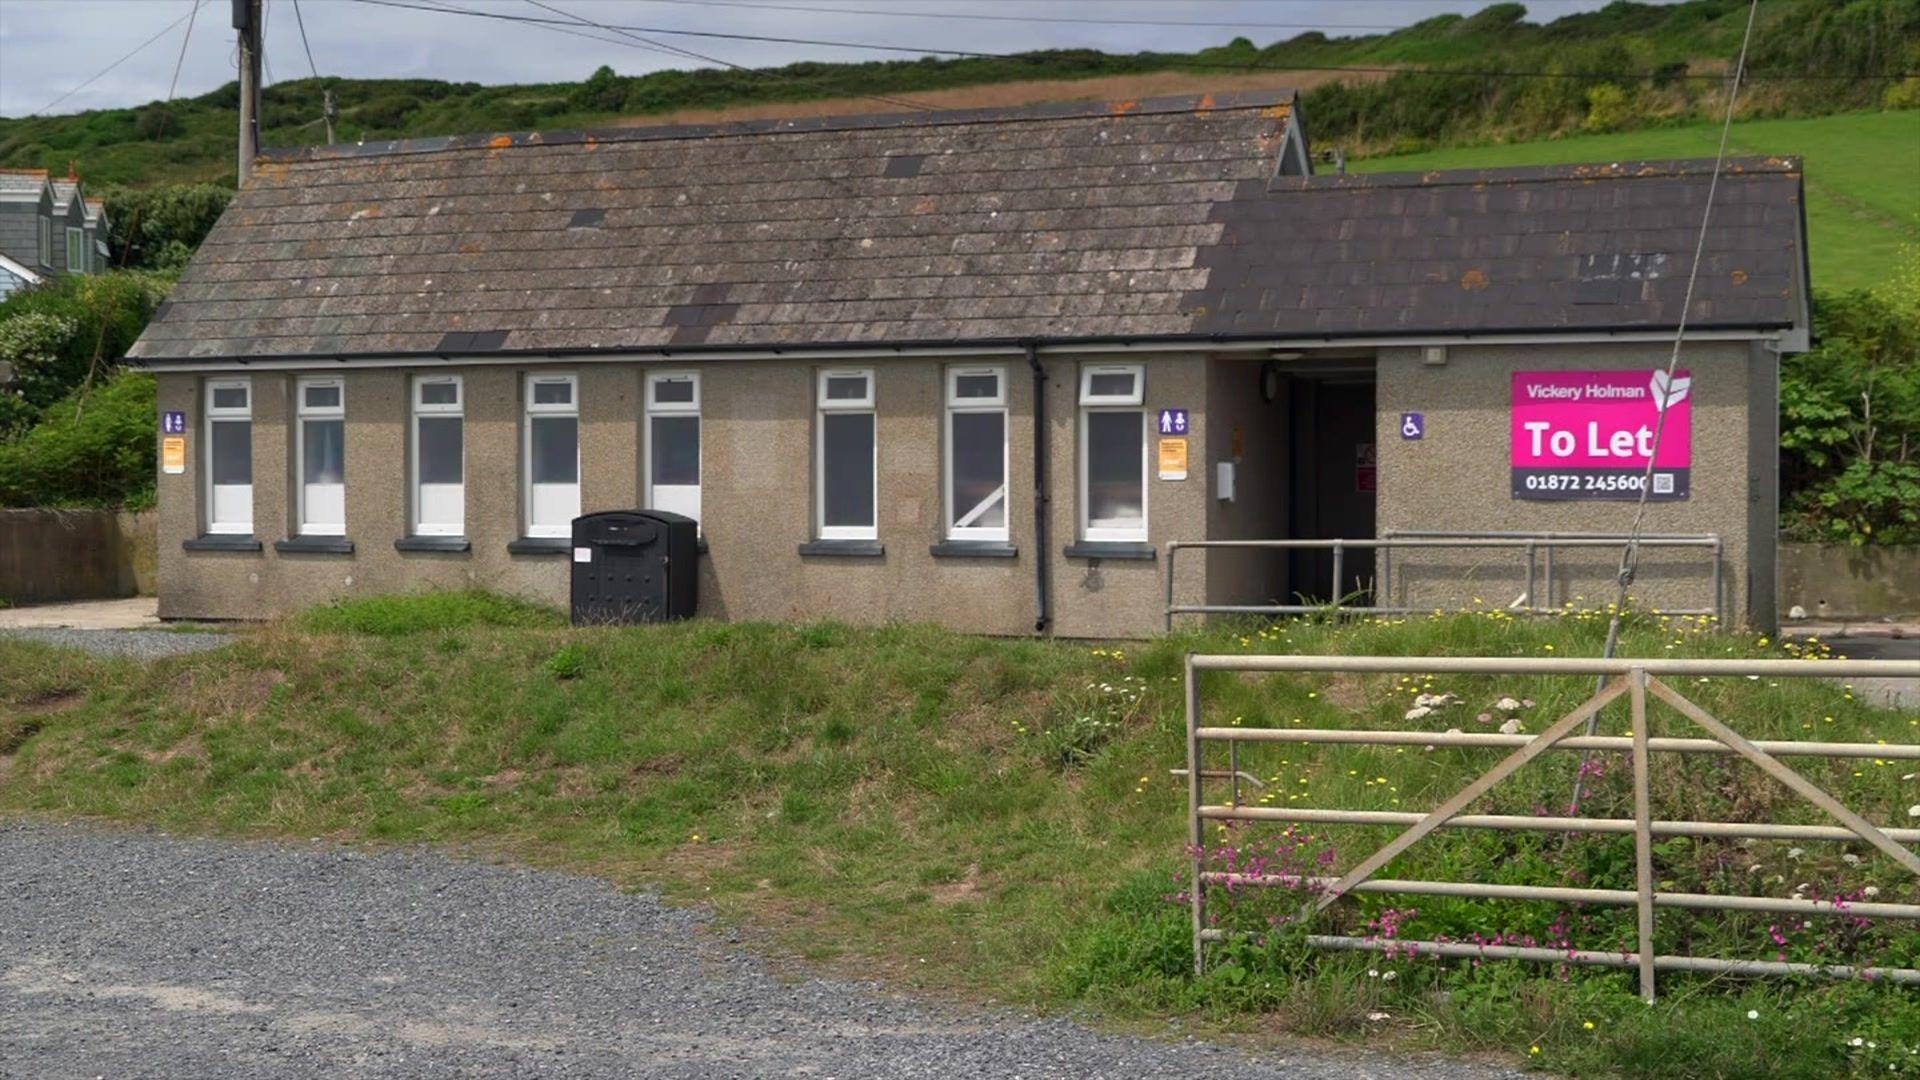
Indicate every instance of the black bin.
{"type": "Point", "coordinates": [632, 566]}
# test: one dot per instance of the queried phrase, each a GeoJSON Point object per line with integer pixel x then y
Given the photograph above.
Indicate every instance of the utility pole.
{"type": "Point", "coordinates": [326, 112]}
{"type": "Point", "coordinates": [246, 20]}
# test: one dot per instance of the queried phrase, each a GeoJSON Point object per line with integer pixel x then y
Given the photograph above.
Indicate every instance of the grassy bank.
{"type": "Point", "coordinates": [993, 817]}
{"type": "Point", "coordinates": [1863, 206]}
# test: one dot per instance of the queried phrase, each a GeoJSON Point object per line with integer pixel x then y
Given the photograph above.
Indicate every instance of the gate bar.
{"type": "Point", "coordinates": [1557, 894]}
{"type": "Point", "coordinates": [1525, 823]}
{"type": "Point", "coordinates": [1375, 737]}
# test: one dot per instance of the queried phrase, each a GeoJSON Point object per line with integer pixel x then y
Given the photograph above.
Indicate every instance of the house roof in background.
{"type": "Point", "coordinates": [64, 189]}
{"type": "Point", "coordinates": [1156, 219]}
{"type": "Point", "coordinates": [22, 183]}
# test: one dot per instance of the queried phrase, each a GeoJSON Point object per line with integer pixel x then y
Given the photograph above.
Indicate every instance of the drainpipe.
{"type": "Point", "coordinates": [1042, 499]}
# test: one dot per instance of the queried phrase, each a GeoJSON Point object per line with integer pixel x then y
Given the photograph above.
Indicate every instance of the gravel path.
{"type": "Point", "coordinates": [139, 644]}
{"type": "Point", "coordinates": [145, 955]}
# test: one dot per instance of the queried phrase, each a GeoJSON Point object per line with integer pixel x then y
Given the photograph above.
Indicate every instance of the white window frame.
{"type": "Point", "coordinates": [46, 242]}
{"type": "Point", "coordinates": [536, 409]}
{"type": "Point", "coordinates": [423, 409]}
{"type": "Point", "coordinates": [957, 405]}
{"type": "Point", "coordinates": [302, 413]}
{"type": "Point", "coordinates": [1092, 403]}
{"type": "Point", "coordinates": [825, 406]}
{"type": "Point", "coordinates": [681, 498]}
{"type": "Point", "coordinates": [212, 415]}
{"type": "Point", "coordinates": [76, 244]}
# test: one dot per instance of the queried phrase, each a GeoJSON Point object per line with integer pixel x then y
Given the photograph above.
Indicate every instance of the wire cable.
{"type": "Point", "coordinates": [662, 46]}
{"type": "Point", "coordinates": [1180, 61]}
{"type": "Point", "coordinates": [301, 21]}
{"type": "Point", "coordinates": [1630, 554]}
{"type": "Point", "coordinates": [173, 84]}
{"type": "Point", "coordinates": [102, 73]}
{"type": "Point", "coordinates": [976, 16]}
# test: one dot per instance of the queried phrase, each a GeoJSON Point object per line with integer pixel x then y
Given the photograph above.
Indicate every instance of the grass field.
{"type": "Point", "coordinates": [995, 818]}
{"type": "Point", "coordinates": [1863, 177]}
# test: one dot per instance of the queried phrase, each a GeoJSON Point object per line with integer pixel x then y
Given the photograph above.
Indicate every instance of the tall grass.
{"type": "Point", "coordinates": [989, 816]}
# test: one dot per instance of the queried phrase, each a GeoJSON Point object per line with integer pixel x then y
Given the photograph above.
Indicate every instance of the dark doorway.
{"type": "Point", "coordinates": [1335, 477]}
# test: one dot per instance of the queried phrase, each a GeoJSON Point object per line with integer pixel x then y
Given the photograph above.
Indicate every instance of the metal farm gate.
{"type": "Point", "coordinates": [1634, 679]}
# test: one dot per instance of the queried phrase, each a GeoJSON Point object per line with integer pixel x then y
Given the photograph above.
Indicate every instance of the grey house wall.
{"type": "Point", "coordinates": [20, 228]}
{"type": "Point", "coordinates": [757, 422]}
{"type": "Point", "coordinates": [1458, 478]}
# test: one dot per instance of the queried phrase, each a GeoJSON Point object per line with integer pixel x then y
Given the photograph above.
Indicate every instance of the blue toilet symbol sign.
{"type": "Point", "coordinates": [1173, 421]}
{"type": "Point", "coordinates": [173, 422]}
{"type": "Point", "coordinates": [1413, 425]}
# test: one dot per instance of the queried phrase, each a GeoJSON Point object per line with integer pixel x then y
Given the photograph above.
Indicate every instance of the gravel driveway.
{"type": "Point", "coordinates": [139, 644]}
{"type": "Point", "coordinates": [145, 955]}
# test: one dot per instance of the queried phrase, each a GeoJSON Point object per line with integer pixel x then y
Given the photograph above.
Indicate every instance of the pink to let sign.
{"type": "Point", "coordinates": [1588, 434]}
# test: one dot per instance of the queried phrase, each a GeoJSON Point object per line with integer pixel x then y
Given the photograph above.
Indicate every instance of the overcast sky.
{"type": "Point", "coordinates": [49, 47]}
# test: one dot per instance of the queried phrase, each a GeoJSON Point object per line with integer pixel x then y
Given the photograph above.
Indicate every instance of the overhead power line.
{"type": "Point", "coordinates": [635, 38]}
{"type": "Point", "coordinates": [1186, 62]}
{"type": "Point", "coordinates": [102, 73]}
{"type": "Point", "coordinates": [980, 16]}
{"type": "Point", "coordinates": [173, 84]}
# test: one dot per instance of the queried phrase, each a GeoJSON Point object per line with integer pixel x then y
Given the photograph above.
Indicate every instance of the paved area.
{"type": "Point", "coordinates": [139, 644]}
{"type": "Point", "coordinates": [144, 955]}
{"type": "Point", "coordinates": [128, 614]}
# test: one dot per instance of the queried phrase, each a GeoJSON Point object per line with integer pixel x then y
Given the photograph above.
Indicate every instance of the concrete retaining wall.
{"type": "Point", "coordinates": [48, 555]}
{"type": "Point", "coordinates": [1849, 581]}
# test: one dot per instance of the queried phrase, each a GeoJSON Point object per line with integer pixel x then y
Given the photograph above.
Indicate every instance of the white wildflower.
{"type": "Point", "coordinates": [1850, 859]}
{"type": "Point", "coordinates": [1796, 854]}
{"type": "Point", "coordinates": [1512, 727]}
{"type": "Point", "coordinates": [1870, 891]}
{"type": "Point", "coordinates": [1506, 704]}
{"type": "Point", "coordinates": [1753, 1014]}
{"type": "Point", "coordinates": [1418, 711]}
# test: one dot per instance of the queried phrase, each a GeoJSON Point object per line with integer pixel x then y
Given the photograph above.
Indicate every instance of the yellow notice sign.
{"type": "Point", "coordinates": [1173, 459]}
{"type": "Point", "coordinates": [173, 454]}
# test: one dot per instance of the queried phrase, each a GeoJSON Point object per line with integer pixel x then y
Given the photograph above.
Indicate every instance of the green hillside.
{"type": "Point", "coordinates": [1863, 177]}
{"type": "Point", "coordinates": [1626, 65]}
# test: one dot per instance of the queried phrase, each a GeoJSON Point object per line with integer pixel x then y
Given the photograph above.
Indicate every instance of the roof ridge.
{"type": "Point", "coordinates": [1043, 110]}
{"type": "Point", "coordinates": [1525, 174]}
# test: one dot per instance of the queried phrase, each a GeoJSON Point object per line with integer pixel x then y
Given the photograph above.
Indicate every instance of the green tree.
{"type": "Point", "coordinates": [158, 228]}
{"type": "Point", "coordinates": [1850, 419]}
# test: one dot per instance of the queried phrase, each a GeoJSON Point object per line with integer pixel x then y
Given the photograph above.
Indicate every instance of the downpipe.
{"type": "Point", "coordinates": [1042, 498]}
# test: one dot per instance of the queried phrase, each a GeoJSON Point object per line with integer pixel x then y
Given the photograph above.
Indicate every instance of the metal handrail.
{"type": "Point", "coordinates": [1623, 677]}
{"type": "Point", "coordinates": [1531, 543]}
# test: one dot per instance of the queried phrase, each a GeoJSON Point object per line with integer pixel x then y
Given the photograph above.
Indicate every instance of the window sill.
{"type": "Point", "coordinates": [222, 542]}
{"type": "Point", "coordinates": [974, 549]}
{"type": "Point", "coordinates": [540, 545]}
{"type": "Point", "coordinates": [855, 549]}
{"type": "Point", "coordinates": [433, 543]}
{"type": "Point", "coordinates": [314, 545]}
{"type": "Point", "coordinates": [1110, 549]}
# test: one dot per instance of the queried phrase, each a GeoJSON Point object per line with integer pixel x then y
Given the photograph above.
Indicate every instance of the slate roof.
{"type": "Point", "coordinates": [1557, 248]}
{"type": "Point", "coordinates": [64, 189]}
{"type": "Point", "coordinates": [1158, 219]}
{"type": "Point", "coordinates": [22, 181]}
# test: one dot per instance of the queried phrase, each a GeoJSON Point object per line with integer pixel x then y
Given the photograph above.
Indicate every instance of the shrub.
{"type": "Point", "coordinates": [93, 448]}
{"type": "Point", "coordinates": [1850, 419]}
{"type": "Point", "coordinates": [159, 227]}
{"type": "Point", "coordinates": [1609, 108]}
{"type": "Point", "coordinates": [57, 334]}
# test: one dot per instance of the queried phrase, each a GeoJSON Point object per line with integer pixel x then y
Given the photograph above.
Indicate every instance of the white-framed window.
{"type": "Point", "coordinates": [76, 251]}
{"type": "Point", "coordinates": [1113, 453]}
{"type": "Point", "coordinates": [439, 456]}
{"type": "Point", "coordinates": [229, 418]}
{"type": "Point", "coordinates": [846, 480]}
{"type": "Point", "coordinates": [552, 454]}
{"type": "Point", "coordinates": [673, 442]}
{"type": "Point", "coordinates": [320, 453]}
{"type": "Point", "coordinates": [975, 464]}
{"type": "Point", "coordinates": [46, 242]}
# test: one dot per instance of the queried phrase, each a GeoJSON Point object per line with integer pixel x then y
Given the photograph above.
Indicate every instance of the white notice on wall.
{"type": "Point", "coordinates": [581, 554]}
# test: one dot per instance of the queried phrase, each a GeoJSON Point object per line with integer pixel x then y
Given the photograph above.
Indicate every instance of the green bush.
{"type": "Point", "coordinates": [1850, 419]}
{"type": "Point", "coordinates": [94, 447]}
{"type": "Point", "coordinates": [159, 227]}
{"type": "Point", "coordinates": [58, 334]}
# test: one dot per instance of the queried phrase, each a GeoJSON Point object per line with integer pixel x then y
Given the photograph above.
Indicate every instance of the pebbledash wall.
{"type": "Point", "coordinates": [757, 480]}
{"type": "Point", "coordinates": [1456, 478]}
{"type": "Point", "coordinates": [757, 432]}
